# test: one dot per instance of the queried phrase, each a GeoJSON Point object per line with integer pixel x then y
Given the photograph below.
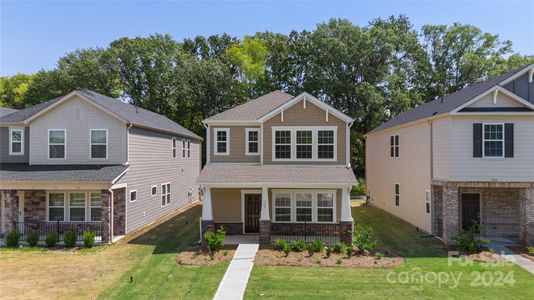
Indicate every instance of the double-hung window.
{"type": "Point", "coordinates": [56, 143]}
{"type": "Point", "coordinates": [184, 148]}
{"type": "Point", "coordinates": [305, 144]}
{"type": "Point", "coordinates": [325, 147]}
{"type": "Point", "coordinates": [282, 207]}
{"type": "Point", "coordinates": [397, 194]}
{"type": "Point", "coordinates": [56, 206]}
{"type": "Point", "coordinates": [16, 141]}
{"type": "Point", "coordinates": [325, 207]}
{"type": "Point", "coordinates": [394, 145]}
{"type": "Point", "coordinates": [222, 141]}
{"type": "Point", "coordinates": [188, 149]}
{"type": "Point", "coordinates": [304, 207]}
{"type": "Point", "coordinates": [96, 206]}
{"type": "Point", "coordinates": [253, 141]}
{"type": "Point", "coordinates": [173, 147]}
{"type": "Point", "coordinates": [493, 141]}
{"type": "Point", "coordinates": [165, 194]}
{"type": "Point", "coordinates": [77, 206]}
{"type": "Point", "coordinates": [133, 195]}
{"type": "Point", "coordinates": [282, 144]}
{"type": "Point", "coordinates": [99, 143]}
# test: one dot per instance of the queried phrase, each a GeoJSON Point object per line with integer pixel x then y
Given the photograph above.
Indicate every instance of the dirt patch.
{"type": "Point", "coordinates": [197, 256]}
{"type": "Point", "coordinates": [484, 257]}
{"type": "Point", "coordinates": [269, 256]}
{"type": "Point", "coordinates": [521, 251]}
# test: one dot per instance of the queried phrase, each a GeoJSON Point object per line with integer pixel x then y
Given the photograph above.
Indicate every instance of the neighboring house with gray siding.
{"type": "Point", "coordinates": [87, 161]}
{"type": "Point", "coordinates": [445, 164]}
{"type": "Point", "coordinates": [279, 166]}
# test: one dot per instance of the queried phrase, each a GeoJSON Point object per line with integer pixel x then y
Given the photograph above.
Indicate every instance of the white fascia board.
{"type": "Point", "coordinates": [339, 185]}
{"type": "Point", "coordinates": [493, 89]}
{"type": "Point", "coordinates": [517, 75]}
{"type": "Point", "coordinates": [230, 122]}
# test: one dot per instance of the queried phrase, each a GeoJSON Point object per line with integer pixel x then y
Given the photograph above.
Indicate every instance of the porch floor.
{"type": "Point", "coordinates": [242, 239]}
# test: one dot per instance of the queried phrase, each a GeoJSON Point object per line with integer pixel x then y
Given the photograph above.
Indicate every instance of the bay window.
{"type": "Point", "coordinates": [304, 206]}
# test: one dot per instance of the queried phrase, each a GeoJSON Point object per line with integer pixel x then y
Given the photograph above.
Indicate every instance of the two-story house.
{"type": "Point", "coordinates": [87, 161]}
{"type": "Point", "coordinates": [467, 157]}
{"type": "Point", "coordinates": [278, 165]}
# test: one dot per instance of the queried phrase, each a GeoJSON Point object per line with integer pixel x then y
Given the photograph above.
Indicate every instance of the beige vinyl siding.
{"type": "Point", "coordinates": [151, 163]}
{"type": "Point", "coordinates": [5, 157]}
{"type": "Point", "coordinates": [297, 115]}
{"type": "Point", "coordinates": [519, 168]}
{"type": "Point", "coordinates": [78, 117]}
{"type": "Point", "coordinates": [237, 145]}
{"type": "Point", "coordinates": [442, 136]}
{"type": "Point", "coordinates": [411, 170]}
{"type": "Point", "coordinates": [226, 205]}
{"type": "Point", "coordinates": [502, 101]}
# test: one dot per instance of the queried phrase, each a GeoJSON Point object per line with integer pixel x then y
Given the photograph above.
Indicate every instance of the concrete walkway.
{"type": "Point", "coordinates": [511, 256]}
{"type": "Point", "coordinates": [235, 279]}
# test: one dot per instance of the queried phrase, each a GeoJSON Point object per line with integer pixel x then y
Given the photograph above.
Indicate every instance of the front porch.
{"type": "Point", "coordinates": [275, 212]}
{"type": "Point", "coordinates": [47, 211]}
{"type": "Point", "coordinates": [505, 209]}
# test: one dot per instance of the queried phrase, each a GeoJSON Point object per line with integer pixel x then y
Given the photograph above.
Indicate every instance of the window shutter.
{"type": "Point", "coordinates": [509, 140]}
{"type": "Point", "coordinates": [477, 140]}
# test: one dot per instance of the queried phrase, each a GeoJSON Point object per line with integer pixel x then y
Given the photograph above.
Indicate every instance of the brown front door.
{"type": "Point", "coordinates": [252, 213]}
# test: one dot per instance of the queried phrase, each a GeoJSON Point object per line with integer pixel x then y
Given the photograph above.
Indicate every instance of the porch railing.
{"type": "Point", "coordinates": [46, 228]}
{"type": "Point", "coordinates": [325, 232]}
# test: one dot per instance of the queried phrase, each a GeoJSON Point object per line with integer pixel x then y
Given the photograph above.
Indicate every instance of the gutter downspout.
{"type": "Point", "coordinates": [208, 150]}
{"type": "Point", "coordinates": [431, 149]}
{"type": "Point", "coordinates": [347, 143]}
{"type": "Point", "coordinates": [128, 144]}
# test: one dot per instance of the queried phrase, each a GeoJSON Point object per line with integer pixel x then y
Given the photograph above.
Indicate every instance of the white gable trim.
{"type": "Point", "coordinates": [497, 89]}
{"type": "Point", "coordinates": [306, 97]}
{"type": "Point", "coordinates": [528, 68]}
{"type": "Point", "coordinates": [68, 97]}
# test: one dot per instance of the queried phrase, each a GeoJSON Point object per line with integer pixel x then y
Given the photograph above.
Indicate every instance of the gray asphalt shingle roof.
{"type": "Point", "coordinates": [282, 174]}
{"type": "Point", "coordinates": [57, 173]}
{"type": "Point", "coordinates": [138, 117]}
{"type": "Point", "coordinates": [449, 103]}
{"type": "Point", "coordinates": [4, 111]}
{"type": "Point", "coordinates": [253, 109]}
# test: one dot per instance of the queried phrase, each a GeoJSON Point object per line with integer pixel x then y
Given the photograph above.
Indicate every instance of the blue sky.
{"type": "Point", "coordinates": [35, 34]}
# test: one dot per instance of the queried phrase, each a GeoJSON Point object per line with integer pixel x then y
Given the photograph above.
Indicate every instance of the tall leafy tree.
{"type": "Point", "coordinates": [13, 89]}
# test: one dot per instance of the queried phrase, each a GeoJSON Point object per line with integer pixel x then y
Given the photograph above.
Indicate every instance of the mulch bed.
{"type": "Point", "coordinates": [484, 257]}
{"type": "Point", "coordinates": [521, 251]}
{"type": "Point", "coordinates": [197, 256]}
{"type": "Point", "coordinates": [270, 256]}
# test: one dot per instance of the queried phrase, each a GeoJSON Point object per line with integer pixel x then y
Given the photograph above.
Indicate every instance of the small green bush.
{"type": "Point", "coordinates": [298, 245]}
{"type": "Point", "coordinates": [363, 238]}
{"type": "Point", "coordinates": [215, 240]}
{"type": "Point", "coordinates": [339, 247]}
{"type": "Point", "coordinates": [318, 261]}
{"type": "Point", "coordinates": [70, 239]}
{"type": "Point", "coordinates": [530, 250]}
{"type": "Point", "coordinates": [317, 246]}
{"type": "Point", "coordinates": [281, 244]}
{"type": "Point", "coordinates": [310, 249]}
{"type": "Point", "coordinates": [51, 239]}
{"type": "Point", "coordinates": [32, 239]}
{"type": "Point", "coordinates": [339, 261]}
{"type": "Point", "coordinates": [349, 251]}
{"type": "Point", "coordinates": [12, 238]}
{"type": "Point", "coordinates": [328, 251]}
{"type": "Point", "coordinates": [287, 250]}
{"type": "Point", "coordinates": [359, 190]}
{"type": "Point", "coordinates": [379, 255]}
{"type": "Point", "coordinates": [225, 253]}
{"type": "Point", "coordinates": [467, 240]}
{"type": "Point", "coordinates": [88, 239]}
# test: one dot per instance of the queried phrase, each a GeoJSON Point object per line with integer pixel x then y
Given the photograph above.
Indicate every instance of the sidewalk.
{"type": "Point", "coordinates": [510, 255]}
{"type": "Point", "coordinates": [235, 279]}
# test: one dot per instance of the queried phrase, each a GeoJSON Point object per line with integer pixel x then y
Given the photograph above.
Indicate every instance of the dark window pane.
{"type": "Point", "coordinates": [493, 149]}
{"type": "Point", "coordinates": [396, 140]}
{"type": "Point", "coordinates": [16, 147]}
{"type": "Point", "coordinates": [56, 199]}
{"type": "Point", "coordinates": [283, 214]}
{"type": "Point", "coordinates": [283, 137]}
{"type": "Point", "coordinates": [77, 214]}
{"type": "Point", "coordinates": [283, 151]}
{"type": "Point", "coordinates": [221, 147]}
{"type": "Point", "coordinates": [154, 190]}
{"type": "Point", "coordinates": [252, 136]}
{"type": "Point", "coordinates": [304, 151]}
{"type": "Point", "coordinates": [16, 136]}
{"type": "Point", "coordinates": [325, 214]}
{"type": "Point", "coordinates": [98, 136]}
{"type": "Point", "coordinates": [221, 135]}
{"type": "Point", "coordinates": [253, 147]}
{"type": "Point", "coordinates": [304, 137]}
{"type": "Point", "coordinates": [392, 141]}
{"type": "Point", "coordinates": [325, 136]}
{"type": "Point", "coordinates": [57, 151]}
{"type": "Point", "coordinates": [397, 151]}
{"type": "Point", "coordinates": [98, 151]}
{"type": "Point", "coordinates": [325, 151]}
{"type": "Point", "coordinates": [57, 137]}
{"type": "Point", "coordinates": [55, 214]}
{"type": "Point", "coordinates": [96, 214]}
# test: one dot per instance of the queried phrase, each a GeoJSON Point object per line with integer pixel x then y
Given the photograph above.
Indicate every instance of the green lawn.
{"type": "Point", "coordinates": [155, 274]}
{"type": "Point", "coordinates": [424, 255]}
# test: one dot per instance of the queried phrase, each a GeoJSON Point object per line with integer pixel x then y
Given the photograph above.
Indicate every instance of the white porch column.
{"type": "Point", "coordinates": [207, 211]}
{"type": "Point", "coordinates": [346, 214]}
{"type": "Point", "coordinates": [265, 204]}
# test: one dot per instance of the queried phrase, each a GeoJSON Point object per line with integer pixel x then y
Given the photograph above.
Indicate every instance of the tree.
{"type": "Point", "coordinates": [13, 89]}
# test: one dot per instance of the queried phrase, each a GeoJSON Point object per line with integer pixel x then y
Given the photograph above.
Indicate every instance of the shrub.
{"type": "Point", "coordinates": [310, 249]}
{"type": "Point", "coordinates": [215, 240]}
{"type": "Point", "coordinates": [32, 239]}
{"type": "Point", "coordinates": [286, 250]}
{"type": "Point", "coordinates": [363, 238]}
{"type": "Point", "coordinates": [349, 251]}
{"type": "Point", "coordinates": [317, 246]}
{"type": "Point", "coordinates": [467, 240]}
{"type": "Point", "coordinates": [281, 244]}
{"type": "Point", "coordinates": [318, 261]}
{"type": "Point", "coordinates": [359, 190]}
{"type": "Point", "coordinates": [51, 239]}
{"type": "Point", "coordinates": [12, 238]}
{"type": "Point", "coordinates": [225, 253]}
{"type": "Point", "coordinates": [328, 251]}
{"type": "Point", "coordinates": [530, 250]}
{"type": "Point", "coordinates": [70, 239]}
{"type": "Point", "coordinates": [298, 245]}
{"type": "Point", "coordinates": [339, 261]}
{"type": "Point", "coordinates": [339, 247]}
{"type": "Point", "coordinates": [88, 239]}
{"type": "Point", "coordinates": [379, 255]}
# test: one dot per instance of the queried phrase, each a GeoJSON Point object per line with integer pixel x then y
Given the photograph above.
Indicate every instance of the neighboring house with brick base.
{"type": "Point", "coordinates": [470, 156]}
{"type": "Point", "coordinates": [87, 161]}
{"type": "Point", "coordinates": [279, 167]}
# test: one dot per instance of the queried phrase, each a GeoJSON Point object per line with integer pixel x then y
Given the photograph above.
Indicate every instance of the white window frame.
{"type": "Point", "coordinates": [484, 140]}
{"type": "Point", "coordinates": [174, 149]}
{"type": "Point", "coordinates": [293, 200]}
{"type": "Point", "coordinates": [152, 194]}
{"type": "Point", "coordinates": [84, 206]}
{"type": "Point", "coordinates": [316, 210]}
{"type": "Point", "coordinates": [247, 138]}
{"type": "Point", "coordinates": [65, 201]}
{"type": "Point", "coordinates": [64, 144]}
{"type": "Point", "coordinates": [188, 149]}
{"type": "Point", "coordinates": [66, 204]}
{"type": "Point", "coordinates": [90, 204]}
{"type": "Point", "coordinates": [167, 193]}
{"type": "Point", "coordinates": [427, 202]}
{"type": "Point", "coordinates": [96, 144]}
{"type": "Point", "coordinates": [184, 148]}
{"type": "Point", "coordinates": [215, 142]}
{"type": "Point", "coordinates": [396, 145]}
{"type": "Point", "coordinates": [21, 130]}
{"type": "Point", "coordinates": [313, 210]}
{"type": "Point", "coordinates": [315, 143]}
{"type": "Point", "coordinates": [130, 195]}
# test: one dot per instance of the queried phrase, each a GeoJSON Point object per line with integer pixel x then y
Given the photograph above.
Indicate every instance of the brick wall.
{"type": "Point", "coordinates": [437, 210]}
{"type": "Point", "coordinates": [119, 211]}
{"type": "Point", "coordinates": [35, 206]}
